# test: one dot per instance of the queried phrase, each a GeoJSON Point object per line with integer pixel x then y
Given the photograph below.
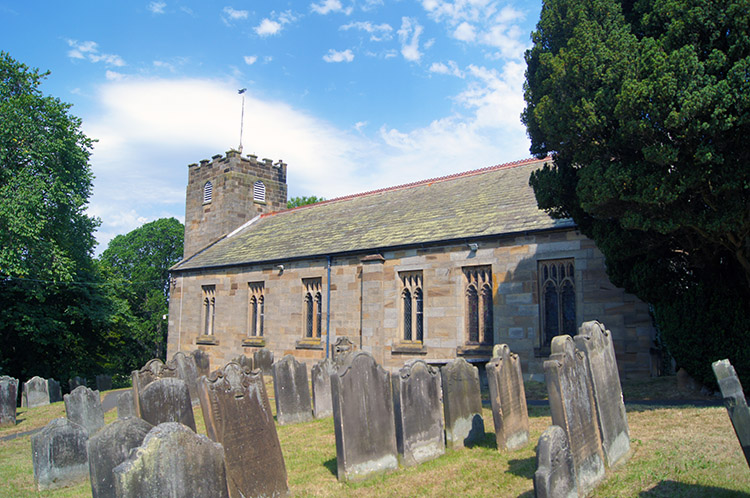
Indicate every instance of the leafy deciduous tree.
{"type": "Point", "coordinates": [303, 201]}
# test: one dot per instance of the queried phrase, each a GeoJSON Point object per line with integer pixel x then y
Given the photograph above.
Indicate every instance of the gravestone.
{"type": "Point", "coordinates": [103, 383]}
{"type": "Point", "coordinates": [167, 400]}
{"type": "Point", "coordinates": [571, 403]}
{"type": "Point", "coordinates": [291, 391]}
{"type": "Point", "coordinates": [76, 382]}
{"type": "Point", "coordinates": [8, 397]}
{"type": "Point", "coordinates": [363, 418]}
{"type": "Point", "coordinates": [508, 399]}
{"type": "Point", "coordinates": [109, 448]}
{"type": "Point", "coordinates": [58, 454]}
{"type": "Point", "coordinates": [462, 401]}
{"type": "Point", "coordinates": [735, 401]}
{"type": "Point", "coordinates": [244, 362]}
{"type": "Point", "coordinates": [418, 411]}
{"type": "Point", "coordinates": [84, 407]}
{"type": "Point", "coordinates": [55, 393]}
{"type": "Point", "coordinates": [263, 359]}
{"type": "Point", "coordinates": [202, 362]}
{"type": "Point", "coordinates": [35, 392]}
{"type": "Point", "coordinates": [188, 372]}
{"type": "Point", "coordinates": [596, 342]}
{"type": "Point", "coordinates": [173, 462]}
{"type": "Point", "coordinates": [153, 369]}
{"type": "Point", "coordinates": [321, 388]}
{"type": "Point", "coordinates": [340, 349]}
{"type": "Point", "coordinates": [238, 415]}
{"type": "Point", "coordinates": [125, 404]}
{"type": "Point", "coordinates": [555, 475]}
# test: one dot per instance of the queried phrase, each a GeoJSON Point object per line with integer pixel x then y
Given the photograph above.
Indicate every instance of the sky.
{"type": "Point", "coordinates": [353, 95]}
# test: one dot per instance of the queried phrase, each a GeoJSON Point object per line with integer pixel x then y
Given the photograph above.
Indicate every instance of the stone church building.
{"type": "Point", "coordinates": [432, 270]}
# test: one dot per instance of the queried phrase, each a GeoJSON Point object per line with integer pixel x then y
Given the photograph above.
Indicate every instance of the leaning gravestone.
{"type": "Point", "coordinates": [187, 371]}
{"type": "Point", "coordinates": [363, 418]}
{"type": "Point", "coordinates": [263, 359]}
{"type": "Point", "coordinates": [55, 393]}
{"type": "Point", "coordinates": [244, 361]}
{"type": "Point", "coordinates": [291, 391]}
{"type": "Point", "coordinates": [462, 401]}
{"type": "Point", "coordinates": [109, 448]}
{"type": "Point", "coordinates": [173, 462]}
{"type": "Point", "coordinates": [321, 388]}
{"type": "Point", "coordinates": [35, 392]}
{"type": "Point", "coordinates": [508, 399]}
{"type": "Point", "coordinates": [572, 406]}
{"type": "Point", "coordinates": [238, 415]}
{"type": "Point", "coordinates": [84, 407]}
{"type": "Point", "coordinates": [151, 371]}
{"type": "Point", "coordinates": [202, 362]}
{"type": "Point", "coordinates": [59, 456]}
{"type": "Point", "coordinates": [418, 410]}
{"type": "Point", "coordinates": [735, 401]}
{"type": "Point", "coordinates": [596, 342]}
{"type": "Point", "coordinates": [8, 397]}
{"type": "Point", "coordinates": [125, 405]}
{"type": "Point", "coordinates": [103, 383]}
{"type": "Point", "coordinates": [167, 400]}
{"type": "Point", "coordinates": [76, 382]}
{"type": "Point", "coordinates": [555, 475]}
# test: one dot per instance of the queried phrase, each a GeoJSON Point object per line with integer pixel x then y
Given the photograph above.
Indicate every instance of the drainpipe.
{"type": "Point", "coordinates": [328, 310]}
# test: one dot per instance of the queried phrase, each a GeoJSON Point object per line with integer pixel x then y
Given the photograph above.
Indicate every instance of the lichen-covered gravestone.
{"type": "Point", "coordinates": [8, 397]}
{"type": "Point", "coordinates": [202, 362]}
{"type": "Point", "coordinates": [735, 401]}
{"type": "Point", "coordinates": [35, 392]}
{"type": "Point", "coordinates": [596, 342]}
{"type": "Point", "coordinates": [418, 410]}
{"type": "Point", "coordinates": [238, 415]}
{"type": "Point", "coordinates": [109, 448]}
{"type": "Point", "coordinates": [508, 399]}
{"type": "Point", "coordinates": [167, 400]}
{"type": "Point", "coordinates": [263, 359]}
{"type": "Point", "coordinates": [555, 475]}
{"type": "Point", "coordinates": [58, 454]}
{"type": "Point", "coordinates": [55, 393]}
{"type": "Point", "coordinates": [173, 462]}
{"type": "Point", "coordinates": [151, 371]}
{"type": "Point", "coordinates": [363, 418]}
{"type": "Point", "coordinates": [571, 402]}
{"type": "Point", "coordinates": [188, 372]}
{"type": "Point", "coordinates": [125, 405]}
{"type": "Point", "coordinates": [462, 401]}
{"type": "Point", "coordinates": [244, 361]}
{"type": "Point", "coordinates": [321, 388]}
{"type": "Point", "coordinates": [84, 407]}
{"type": "Point", "coordinates": [291, 391]}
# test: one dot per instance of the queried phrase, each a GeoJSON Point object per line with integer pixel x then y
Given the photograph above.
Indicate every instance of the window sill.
{"type": "Point", "coordinates": [257, 342]}
{"type": "Point", "coordinates": [409, 347]}
{"type": "Point", "coordinates": [208, 340]}
{"type": "Point", "coordinates": [475, 350]}
{"type": "Point", "coordinates": [309, 343]}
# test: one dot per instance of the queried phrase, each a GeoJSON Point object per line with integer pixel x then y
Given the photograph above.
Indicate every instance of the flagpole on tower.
{"type": "Point", "coordinates": [242, 91]}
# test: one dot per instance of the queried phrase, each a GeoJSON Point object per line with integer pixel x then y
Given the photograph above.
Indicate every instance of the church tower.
{"type": "Point", "coordinates": [225, 192]}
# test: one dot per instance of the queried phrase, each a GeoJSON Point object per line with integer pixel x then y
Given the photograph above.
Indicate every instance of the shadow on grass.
{"type": "Point", "coordinates": [523, 467]}
{"type": "Point", "coordinates": [332, 466]}
{"type": "Point", "coordinates": [671, 489]}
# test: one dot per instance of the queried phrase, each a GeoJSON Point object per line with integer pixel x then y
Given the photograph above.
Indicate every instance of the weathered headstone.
{"type": "Point", "coordinates": [418, 410]}
{"type": "Point", "coordinates": [291, 391]}
{"type": "Point", "coordinates": [103, 383]}
{"type": "Point", "coordinates": [8, 397]}
{"type": "Point", "coordinates": [363, 418]}
{"type": "Point", "coordinates": [153, 369]}
{"type": "Point", "coordinates": [735, 401]}
{"type": "Point", "coordinates": [571, 402]}
{"type": "Point", "coordinates": [187, 371]}
{"type": "Point", "coordinates": [76, 382]}
{"type": "Point", "coordinates": [238, 415]}
{"type": "Point", "coordinates": [59, 456]}
{"type": "Point", "coordinates": [125, 404]}
{"type": "Point", "coordinates": [462, 401]}
{"type": "Point", "coordinates": [55, 393]}
{"type": "Point", "coordinates": [167, 400]}
{"type": "Point", "coordinates": [109, 448]}
{"type": "Point", "coordinates": [263, 359]}
{"type": "Point", "coordinates": [596, 342]}
{"type": "Point", "coordinates": [340, 349]}
{"type": "Point", "coordinates": [35, 392]}
{"type": "Point", "coordinates": [321, 387]}
{"type": "Point", "coordinates": [555, 475]}
{"type": "Point", "coordinates": [244, 361]}
{"type": "Point", "coordinates": [508, 399]}
{"type": "Point", "coordinates": [202, 362]}
{"type": "Point", "coordinates": [84, 407]}
{"type": "Point", "coordinates": [173, 462]}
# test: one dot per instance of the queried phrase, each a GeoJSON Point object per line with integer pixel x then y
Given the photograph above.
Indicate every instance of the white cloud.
{"type": "Point", "coordinates": [378, 32]}
{"type": "Point", "coordinates": [408, 35]}
{"type": "Point", "coordinates": [89, 50]}
{"type": "Point", "coordinates": [465, 32]}
{"type": "Point", "coordinates": [231, 14]}
{"type": "Point", "coordinates": [250, 59]}
{"type": "Point", "coordinates": [268, 27]}
{"type": "Point", "coordinates": [113, 75]}
{"type": "Point", "coordinates": [339, 56]}
{"type": "Point", "coordinates": [157, 7]}
{"type": "Point", "coordinates": [328, 6]}
{"type": "Point", "coordinates": [451, 68]}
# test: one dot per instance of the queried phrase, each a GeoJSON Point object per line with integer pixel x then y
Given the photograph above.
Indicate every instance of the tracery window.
{"type": "Point", "coordinates": [256, 309]}
{"type": "Point", "coordinates": [209, 309]}
{"type": "Point", "coordinates": [557, 299]}
{"type": "Point", "coordinates": [479, 322]}
{"type": "Point", "coordinates": [313, 308]}
{"type": "Point", "coordinates": [412, 306]}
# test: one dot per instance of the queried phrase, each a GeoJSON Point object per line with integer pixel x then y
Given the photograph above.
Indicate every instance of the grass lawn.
{"type": "Point", "coordinates": [676, 451]}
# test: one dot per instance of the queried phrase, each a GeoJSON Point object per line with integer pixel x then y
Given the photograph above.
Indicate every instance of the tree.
{"type": "Point", "coordinates": [303, 201]}
{"type": "Point", "coordinates": [644, 106]}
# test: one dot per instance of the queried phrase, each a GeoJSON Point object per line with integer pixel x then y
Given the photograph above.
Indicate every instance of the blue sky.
{"type": "Point", "coordinates": [352, 95]}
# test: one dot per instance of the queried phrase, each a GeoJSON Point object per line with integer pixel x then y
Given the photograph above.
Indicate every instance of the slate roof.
{"type": "Point", "coordinates": [491, 201]}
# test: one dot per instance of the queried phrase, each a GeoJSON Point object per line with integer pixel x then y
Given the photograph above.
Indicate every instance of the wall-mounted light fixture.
{"type": "Point", "coordinates": [280, 268]}
{"type": "Point", "coordinates": [473, 246]}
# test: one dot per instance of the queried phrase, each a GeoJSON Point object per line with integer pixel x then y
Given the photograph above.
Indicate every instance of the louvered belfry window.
{"type": "Point", "coordinates": [259, 191]}
{"type": "Point", "coordinates": [208, 192]}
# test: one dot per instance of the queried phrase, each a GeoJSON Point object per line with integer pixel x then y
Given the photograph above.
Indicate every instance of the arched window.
{"type": "Point", "coordinates": [259, 191]}
{"type": "Point", "coordinates": [406, 296]}
{"type": "Point", "coordinates": [253, 316]}
{"type": "Point", "coordinates": [262, 317]}
{"type": "Point", "coordinates": [411, 306]}
{"type": "Point", "coordinates": [318, 314]}
{"type": "Point", "coordinates": [487, 328]}
{"type": "Point", "coordinates": [419, 314]}
{"type": "Point", "coordinates": [209, 309]}
{"type": "Point", "coordinates": [208, 191]}
{"type": "Point", "coordinates": [472, 308]}
{"type": "Point", "coordinates": [479, 324]}
{"type": "Point", "coordinates": [309, 315]}
{"type": "Point", "coordinates": [558, 299]}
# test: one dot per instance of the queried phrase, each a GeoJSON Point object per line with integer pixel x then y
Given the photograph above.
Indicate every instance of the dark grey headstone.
{"type": "Point", "coordinates": [153, 369]}
{"type": "Point", "coordinates": [341, 349]}
{"type": "Point", "coordinates": [238, 415]}
{"type": "Point", "coordinates": [84, 407]}
{"type": "Point", "coordinates": [735, 401]}
{"type": "Point", "coordinates": [571, 402]}
{"type": "Point", "coordinates": [555, 475]}
{"type": "Point", "coordinates": [508, 399]}
{"type": "Point", "coordinates": [462, 401]}
{"type": "Point", "coordinates": [596, 342]}
{"type": "Point", "coordinates": [321, 388]}
{"type": "Point", "coordinates": [291, 391]}
{"type": "Point", "coordinates": [418, 411]}
{"type": "Point", "coordinates": [103, 383]}
{"type": "Point", "coordinates": [202, 363]}
{"type": "Point", "coordinates": [59, 456]}
{"type": "Point", "coordinates": [363, 418]}
{"type": "Point", "coordinates": [35, 392]}
{"type": "Point", "coordinates": [76, 382]}
{"type": "Point", "coordinates": [244, 361]}
{"type": "Point", "coordinates": [109, 448]}
{"type": "Point", "coordinates": [55, 393]}
{"type": "Point", "coordinates": [8, 397]}
{"type": "Point", "coordinates": [187, 370]}
{"type": "Point", "coordinates": [173, 462]}
{"type": "Point", "coordinates": [167, 400]}
{"type": "Point", "coordinates": [263, 360]}
{"type": "Point", "coordinates": [125, 404]}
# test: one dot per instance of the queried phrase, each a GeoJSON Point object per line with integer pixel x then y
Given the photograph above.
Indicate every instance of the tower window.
{"type": "Point", "coordinates": [259, 192]}
{"type": "Point", "coordinates": [208, 191]}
